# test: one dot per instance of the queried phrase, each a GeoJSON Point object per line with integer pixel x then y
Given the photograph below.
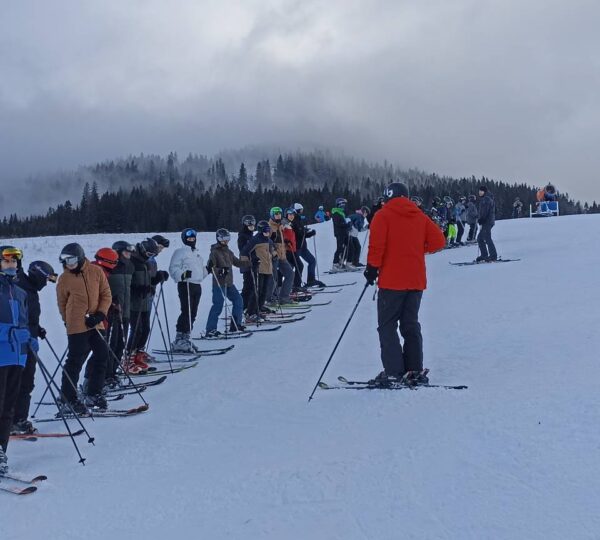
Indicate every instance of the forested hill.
{"type": "Point", "coordinates": [151, 193]}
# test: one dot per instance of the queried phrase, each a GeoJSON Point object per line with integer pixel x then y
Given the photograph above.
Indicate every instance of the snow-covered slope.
{"type": "Point", "coordinates": [232, 449]}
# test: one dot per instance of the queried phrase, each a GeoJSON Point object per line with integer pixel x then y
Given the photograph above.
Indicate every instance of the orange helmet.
{"type": "Point", "coordinates": [107, 257]}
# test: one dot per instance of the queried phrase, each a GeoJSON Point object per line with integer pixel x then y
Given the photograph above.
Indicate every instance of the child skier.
{"type": "Point", "coordinates": [280, 295]}
{"type": "Point", "coordinates": [341, 230]}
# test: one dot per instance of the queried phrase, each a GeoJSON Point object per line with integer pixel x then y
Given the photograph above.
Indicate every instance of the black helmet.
{"type": "Point", "coordinates": [437, 200]}
{"type": "Point", "coordinates": [223, 235]}
{"type": "Point", "coordinates": [263, 226]}
{"type": "Point", "coordinates": [42, 269]}
{"type": "Point", "coordinates": [161, 240]}
{"type": "Point", "coordinates": [122, 245]}
{"type": "Point", "coordinates": [395, 189]}
{"type": "Point", "coordinates": [186, 234]}
{"type": "Point", "coordinates": [147, 248]}
{"type": "Point", "coordinates": [448, 199]}
{"type": "Point", "coordinates": [70, 252]}
{"type": "Point", "coordinates": [248, 220]}
{"type": "Point", "coordinates": [472, 198]}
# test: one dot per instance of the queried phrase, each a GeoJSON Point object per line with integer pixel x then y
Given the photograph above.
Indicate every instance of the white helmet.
{"type": "Point", "coordinates": [298, 207]}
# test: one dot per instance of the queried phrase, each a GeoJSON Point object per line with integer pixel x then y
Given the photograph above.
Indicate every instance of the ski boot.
{"type": "Point", "coordinates": [256, 319]}
{"type": "Point", "coordinates": [75, 406]}
{"type": "Point", "coordinates": [95, 403]}
{"type": "Point", "coordinates": [145, 357]}
{"type": "Point", "coordinates": [212, 334]}
{"type": "Point", "coordinates": [481, 259]}
{"type": "Point", "coordinates": [3, 463]}
{"type": "Point", "coordinates": [315, 283]}
{"type": "Point", "coordinates": [236, 327]}
{"type": "Point", "coordinates": [183, 343]}
{"type": "Point", "coordinates": [22, 427]}
{"type": "Point", "coordinates": [382, 380]}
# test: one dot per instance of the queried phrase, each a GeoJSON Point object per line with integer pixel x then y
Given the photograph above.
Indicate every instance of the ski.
{"type": "Point", "coordinates": [178, 361]}
{"type": "Point", "coordinates": [17, 490]}
{"type": "Point", "coordinates": [473, 263]}
{"type": "Point", "coordinates": [176, 369]}
{"type": "Point", "coordinates": [396, 385]}
{"type": "Point", "coordinates": [115, 397]}
{"type": "Point", "coordinates": [311, 304]}
{"type": "Point", "coordinates": [325, 386]}
{"type": "Point", "coordinates": [225, 335]}
{"type": "Point", "coordinates": [334, 291]}
{"type": "Point", "coordinates": [134, 389]}
{"type": "Point", "coordinates": [277, 322]}
{"type": "Point", "coordinates": [109, 413]}
{"type": "Point", "coordinates": [36, 436]}
{"type": "Point", "coordinates": [35, 480]}
{"type": "Point", "coordinates": [138, 386]}
{"type": "Point", "coordinates": [338, 285]}
{"type": "Point", "coordinates": [269, 329]}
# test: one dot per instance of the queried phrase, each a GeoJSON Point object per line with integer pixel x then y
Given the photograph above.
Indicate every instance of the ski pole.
{"type": "Point", "coordinates": [316, 256]}
{"type": "Point", "coordinates": [58, 366]}
{"type": "Point", "coordinates": [225, 305]}
{"type": "Point", "coordinates": [362, 248]}
{"type": "Point", "coordinates": [187, 284]}
{"type": "Point", "coordinates": [166, 317]}
{"type": "Point", "coordinates": [338, 341]}
{"type": "Point", "coordinates": [166, 344]}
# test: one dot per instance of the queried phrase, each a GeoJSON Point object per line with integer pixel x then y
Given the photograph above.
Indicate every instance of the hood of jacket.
{"type": "Point", "coordinates": [400, 206]}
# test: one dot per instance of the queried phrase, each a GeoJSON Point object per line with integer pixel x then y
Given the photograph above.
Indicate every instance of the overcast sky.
{"type": "Point", "coordinates": [506, 88]}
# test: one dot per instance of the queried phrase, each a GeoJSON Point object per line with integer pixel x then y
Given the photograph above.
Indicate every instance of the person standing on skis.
{"type": "Point", "coordinates": [397, 261]}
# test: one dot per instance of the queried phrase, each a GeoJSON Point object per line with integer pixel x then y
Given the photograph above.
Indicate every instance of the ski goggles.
{"type": "Point", "coordinates": [130, 248]}
{"type": "Point", "coordinates": [190, 233]}
{"type": "Point", "coordinates": [68, 260]}
{"type": "Point", "coordinates": [12, 254]}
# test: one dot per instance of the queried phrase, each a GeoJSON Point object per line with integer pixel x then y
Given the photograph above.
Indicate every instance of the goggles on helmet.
{"type": "Point", "coordinates": [12, 253]}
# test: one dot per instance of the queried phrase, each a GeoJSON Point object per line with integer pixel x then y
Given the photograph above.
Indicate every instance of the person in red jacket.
{"type": "Point", "coordinates": [397, 261]}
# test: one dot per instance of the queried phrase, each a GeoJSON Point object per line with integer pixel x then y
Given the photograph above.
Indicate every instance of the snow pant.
{"type": "Point", "coordinates": [401, 307]}
{"type": "Point", "coordinates": [262, 284]}
{"type": "Point", "coordinates": [10, 377]}
{"type": "Point", "coordinates": [461, 231]}
{"type": "Point", "coordinates": [486, 245]}
{"type": "Point", "coordinates": [472, 232]}
{"type": "Point", "coordinates": [80, 346]}
{"type": "Point", "coordinates": [234, 296]}
{"type": "Point", "coordinates": [26, 388]}
{"type": "Point", "coordinates": [304, 253]}
{"type": "Point", "coordinates": [247, 288]}
{"type": "Point", "coordinates": [117, 338]}
{"type": "Point", "coordinates": [139, 330]}
{"type": "Point", "coordinates": [298, 266]}
{"type": "Point", "coordinates": [281, 293]}
{"type": "Point", "coordinates": [340, 253]}
{"type": "Point", "coordinates": [189, 309]}
{"type": "Point", "coordinates": [354, 250]}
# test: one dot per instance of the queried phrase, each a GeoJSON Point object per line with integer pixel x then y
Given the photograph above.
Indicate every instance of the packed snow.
{"type": "Point", "coordinates": [231, 449]}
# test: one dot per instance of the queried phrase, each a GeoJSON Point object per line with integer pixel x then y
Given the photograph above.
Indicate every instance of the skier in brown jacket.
{"type": "Point", "coordinates": [83, 301]}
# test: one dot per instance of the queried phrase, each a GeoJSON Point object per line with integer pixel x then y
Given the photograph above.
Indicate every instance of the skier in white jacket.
{"type": "Point", "coordinates": [188, 270]}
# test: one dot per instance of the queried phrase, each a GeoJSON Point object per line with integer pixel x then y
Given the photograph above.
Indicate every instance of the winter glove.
{"type": "Point", "coordinates": [115, 307]}
{"type": "Point", "coordinates": [222, 272]}
{"type": "Point", "coordinates": [287, 242]}
{"type": "Point", "coordinates": [186, 275]}
{"type": "Point", "coordinates": [162, 276]}
{"type": "Point", "coordinates": [310, 233]}
{"type": "Point", "coordinates": [34, 344]}
{"type": "Point", "coordinates": [94, 319]}
{"type": "Point", "coordinates": [41, 332]}
{"type": "Point", "coordinates": [371, 274]}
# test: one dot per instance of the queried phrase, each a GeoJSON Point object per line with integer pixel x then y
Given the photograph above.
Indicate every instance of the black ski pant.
{"type": "Point", "coordinates": [247, 288]}
{"type": "Point", "coordinates": [354, 250]}
{"type": "Point", "coordinates": [486, 245]}
{"type": "Point", "coordinates": [10, 377]}
{"type": "Point", "coordinates": [340, 253]}
{"type": "Point", "coordinates": [298, 266]}
{"type": "Point", "coordinates": [393, 308]}
{"type": "Point", "coordinates": [189, 309]}
{"type": "Point", "coordinates": [80, 345]}
{"type": "Point", "coordinates": [461, 231]}
{"type": "Point", "coordinates": [117, 338]}
{"type": "Point", "coordinates": [262, 285]}
{"type": "Point", "coordinates": [139, 330]}
{"type": "Point", "coordinates": [26, 388]}
{"type": "Point", "coordinates": [472, 232]}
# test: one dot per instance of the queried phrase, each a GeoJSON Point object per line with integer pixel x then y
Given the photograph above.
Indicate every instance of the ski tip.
{"type": "Point", "coordinates": [324, 386]}
{"type": "Point", "coordinates": [343, 379]}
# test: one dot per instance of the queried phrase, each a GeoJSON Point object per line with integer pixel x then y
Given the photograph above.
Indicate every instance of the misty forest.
{"type": "Point", "coordinates": [153, 193]}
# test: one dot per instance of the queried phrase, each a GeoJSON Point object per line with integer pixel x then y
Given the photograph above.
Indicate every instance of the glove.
{"type": "Point", "coordinates": [41, 332]}
{"type": "Point", "coordinates": [222, 272]}
{"type": "Point", "coordinates": [310, 233]}
{"type": "Point", "coordinates": [116, 308]}
{"type": "Point", "coordinates": [480, 222]}
{"type": "Point", "coordinates": [94, 319]}
{"type": "Point", "coordinates": [34, 344]}
{"type": "Point", "coordinates": [287, 242]}
{"type": "Point", "coordinates": [162, 276]}
{"type": "Point", "coordinates": [186, 275]}
{"type": "Point", "coordinates": [371, 274]}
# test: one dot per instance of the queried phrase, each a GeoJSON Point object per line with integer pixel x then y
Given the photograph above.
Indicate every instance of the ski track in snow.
{"type": "Point", "coordinates": [231, 449]}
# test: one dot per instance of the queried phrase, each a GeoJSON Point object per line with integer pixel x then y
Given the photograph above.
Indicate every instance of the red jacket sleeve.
{"type": "Point", "coordinates": [377, 240]}
{"type": "Point", "coordinates": [434, 237]}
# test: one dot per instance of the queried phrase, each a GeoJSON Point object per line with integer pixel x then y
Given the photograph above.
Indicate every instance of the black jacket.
{"type": "Point", "coordinates": [487, 210]}
{"type": "Point", "coordinates": [244, 237]}
{"type": "Point", "coordinates": [32, 288]}
{"type": "Point", "coordinates": [301, 231]}
{"type": "Point", "coordinates": [119, 281]}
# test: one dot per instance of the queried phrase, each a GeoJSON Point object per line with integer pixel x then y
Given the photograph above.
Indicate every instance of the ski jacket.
{"type": "Point", "coordinates": [34, 309]}
{"type": "Point", "coordinates": [320, 216]}
{"type": "Point", "coordinates": [289, 237]}
{"type": "Point", "coordinates": [222, 259]}
{"type": "Point", "coordinates": [374, 209]}
{"type": "Point", "coordinates": [460, 212]}
{"type": "Point", "coordinates": [141, 284]}
{"type": "Point", "coordinates": [243, 238]}
{"type": "Point", "coordinates": [119, 281]}
{"type": "Point", "coordinates": [261, 251]}
{"type": "Point", "coordinates": [186, 258]}
{"type": "Point", "coordinates": [487, 210]}
{"type": "Point", "coordinates": [82, 292]}
{"type": "Point", "coordinates": [472, 213]}
{"type": "Point", "coordinates": [14, 332]}
{"type": "Point", "coordinates": [341, 227]}
{"type": "Point", "coordinates": [400, 257]}
{"type": "Point", "coordinates": [301, 231]}
{"type": "Point", "coordinates": [277, 238]}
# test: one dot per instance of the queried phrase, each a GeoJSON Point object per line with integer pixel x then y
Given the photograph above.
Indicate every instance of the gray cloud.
{"type": "Point", "coordinates": [507, 88]}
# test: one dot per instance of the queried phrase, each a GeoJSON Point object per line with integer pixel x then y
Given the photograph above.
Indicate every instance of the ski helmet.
{"type": "Point", "coordinates": [42, 270]}
{"type": "Point", "coordinates": [417, 200]}
{"type": "Point", "coordinates": [462, 198]}
{"type": "Point", "coordinates": [249, 221]}
{"type": "Point", "coordinates": [187, 235]}
{"type": "Point", "coordinates": [298, 207]}
{"type": "Point", "coordinates": [147, 248]}
{"type": "Point", "coordinates": [11, 252]}
{"type": "Point", "coordinates": [365, 210]}
{"type": "Point", "coordinates": [472, 198]}
{"type": "Point", "coordinates": [263, 226]}
{"type": "Point", "coordinates": [395, 189]}
{"type": "Point", "coordinates": [275, 210]}
{"type": "Point", "coordinates": [72, 254]}
{"type": "Point", "coordinates": [161, 240]}
{"type": "Point", "coordinates": [107, 257]}
{"type": "Point", "coordinates": [289, 211]}
{"type": "Point", "coordinates": [448, 199]}
{"type": "Point", "coordinates": [340, 202]}
{"type": "Point", "coordinates": [122, 245]}
{"type": "Point", "coordinates": [223, 235]}
{"type": "Point", "coordinates": [321, 207]}
{"type": "Point", "coordinates": [437, 201]}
